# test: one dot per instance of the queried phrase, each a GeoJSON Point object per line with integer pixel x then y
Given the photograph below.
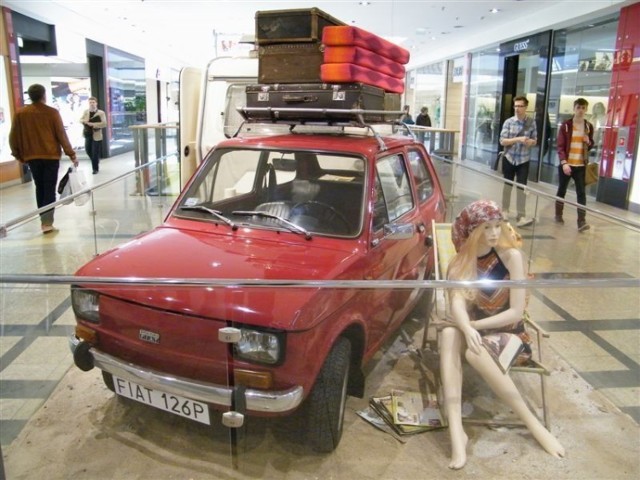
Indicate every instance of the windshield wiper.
{"type": "Point", "coordinates": [216, 213]}
{"type": "Point", "coordinates": [292, 226]}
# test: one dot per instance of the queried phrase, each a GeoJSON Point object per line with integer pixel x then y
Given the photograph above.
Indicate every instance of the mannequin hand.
{"type": "Point", "coordinates": [473, 338]}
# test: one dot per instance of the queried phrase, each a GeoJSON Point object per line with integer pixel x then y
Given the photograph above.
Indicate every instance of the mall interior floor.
{"type": "Point", "coordinates": [49, 410]}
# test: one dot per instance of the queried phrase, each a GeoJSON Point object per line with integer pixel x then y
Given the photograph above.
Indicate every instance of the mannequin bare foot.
{"type": "Point", "coordinates": [459, 442]}
{"type": "Point", "coordinates": [548, 441]}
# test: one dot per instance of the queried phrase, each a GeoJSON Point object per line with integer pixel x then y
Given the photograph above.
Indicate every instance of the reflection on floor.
{"type": "Point", "coordinates": [596, 331]}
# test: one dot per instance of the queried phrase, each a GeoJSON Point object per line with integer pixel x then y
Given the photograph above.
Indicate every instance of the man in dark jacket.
{"type": "Point", "coordinates": [424, 120]}
{"type": "Point", "coordinates": [575, 139]}
{"type": "Point", "coordinates": [36, 138]}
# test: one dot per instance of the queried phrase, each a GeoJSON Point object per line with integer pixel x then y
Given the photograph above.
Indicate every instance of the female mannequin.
{"type": "Point", "coordinates": [482, 238]}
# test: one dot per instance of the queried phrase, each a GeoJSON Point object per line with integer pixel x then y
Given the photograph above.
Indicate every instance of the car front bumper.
{"type": "Point", "coordinates": [220, 395]}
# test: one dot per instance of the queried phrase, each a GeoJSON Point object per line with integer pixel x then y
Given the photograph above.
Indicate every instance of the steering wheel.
{"type": "Point", "coordinates": [324, 217]}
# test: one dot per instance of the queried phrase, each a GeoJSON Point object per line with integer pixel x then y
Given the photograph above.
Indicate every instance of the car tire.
{"type": "Point", "coordinates": [324, 408]}
{"type": "Point", "coordinates": [107, 378]}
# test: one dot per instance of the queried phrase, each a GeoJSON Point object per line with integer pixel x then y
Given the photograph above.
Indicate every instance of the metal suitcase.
{"type": "Point", "coordinates": [290, 63]}
{"type": "Point", "coordinates": [280, 102]}
{"type": "Point", "coordinates": [295, 25]}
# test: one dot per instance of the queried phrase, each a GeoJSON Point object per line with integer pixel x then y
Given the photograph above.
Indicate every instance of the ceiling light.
{"type": "Point", "coordinates": [364, 3]}
{"type": "Point", "coordinates": [494, 10]}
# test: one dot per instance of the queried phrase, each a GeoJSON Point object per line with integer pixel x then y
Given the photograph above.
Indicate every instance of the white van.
{"type": "Point", "coordinates": [208, 106]}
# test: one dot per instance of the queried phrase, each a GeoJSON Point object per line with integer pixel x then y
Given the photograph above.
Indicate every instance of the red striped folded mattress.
{"type": "Point", "coordinates": [364, 58]}
{"type": "Point", "coordinates": [349, 35]}
{"type": "Point", "coordinates": [350, 73]}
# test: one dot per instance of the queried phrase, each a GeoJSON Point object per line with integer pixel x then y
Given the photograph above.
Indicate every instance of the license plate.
{"type": "Point", "coordinates": [168, 402]}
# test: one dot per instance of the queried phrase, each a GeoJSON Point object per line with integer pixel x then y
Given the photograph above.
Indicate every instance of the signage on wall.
{"type": "Point", "coordinates": [533, 44]}
{"type": "Point", "coordinates": [521, 46]}
{"type": "Point", "coordinates": [458, 70]}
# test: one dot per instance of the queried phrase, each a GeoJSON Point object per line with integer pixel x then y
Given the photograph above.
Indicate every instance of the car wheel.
{"type": "Point", "coordinates": [324, 408]}
{"type": "Point", "coordinates": [107, 378]}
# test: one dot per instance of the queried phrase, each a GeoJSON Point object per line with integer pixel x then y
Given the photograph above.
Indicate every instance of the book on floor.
{"type": "Point", "coordinates": [425, 415]}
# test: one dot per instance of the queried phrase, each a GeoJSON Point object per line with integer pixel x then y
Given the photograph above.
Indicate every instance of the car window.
{"type": "Point", "coordinates": [421, 175]}
{"type": "Point", "coordinates": [321, 193]}
{"type": "Point", "coordinates": [380, 214]}
{"type": "Point", "coordinates": [395, 186]}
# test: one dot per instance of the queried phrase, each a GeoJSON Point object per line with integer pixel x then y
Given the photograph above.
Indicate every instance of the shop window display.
{"type": "Point", "coordinates": [582, 65]}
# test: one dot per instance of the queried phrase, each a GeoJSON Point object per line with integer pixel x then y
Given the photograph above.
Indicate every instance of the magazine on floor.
{"type": "Point", "coordinates": [425, 415]}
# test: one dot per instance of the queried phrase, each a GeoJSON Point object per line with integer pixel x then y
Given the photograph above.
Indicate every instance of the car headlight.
{"type": "Point", "coordinates": [260, 346]}
{"type": "Point", "coordinates": [86, 304]}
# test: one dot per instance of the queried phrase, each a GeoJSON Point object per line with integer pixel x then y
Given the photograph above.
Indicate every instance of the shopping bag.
{"type": "Point", "coordinates": [497, 165]}
{"type": "Point", "coordinates": [591, 173]}
{"type": "Point", "coordinates": [64, 187]}
{"type": "Point", "coordinates": [66, 191]}
{"type": "Point", "coordinates": [64, 181]}
{"type": "Point", "coordinates": [78, 182]}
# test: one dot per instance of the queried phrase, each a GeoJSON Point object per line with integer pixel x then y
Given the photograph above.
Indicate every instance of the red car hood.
{"type": "Point", "coordinates": [171, 253]}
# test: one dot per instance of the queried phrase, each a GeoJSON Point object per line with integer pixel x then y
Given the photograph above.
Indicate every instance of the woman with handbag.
{"type": "Point", "coordinates": [94, 120]}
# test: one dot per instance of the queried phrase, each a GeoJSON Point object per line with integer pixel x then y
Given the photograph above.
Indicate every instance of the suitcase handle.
{"type": "Point", "coordinates": [300, 98]}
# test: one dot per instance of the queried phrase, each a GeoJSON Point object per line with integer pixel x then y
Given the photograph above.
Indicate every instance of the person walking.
{"type": "Point", "coordinates": [575, 139]}
{"type": "Point", "coordinates": [518, 135]}
{"type": "Point", "coordinates": [36, 138]}
{"type": "Point", "coordinates": [94, 120]}
{"type": "Point", "coordinates": [423, 120]}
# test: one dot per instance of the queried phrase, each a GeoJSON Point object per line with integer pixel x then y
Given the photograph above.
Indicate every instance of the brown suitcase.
{"type": "Point", "coordinates": [278, 101]}
{"type": "Point", "coordinates": [290, 63]}
{"type": "Point", "coordinates": [296, 25]}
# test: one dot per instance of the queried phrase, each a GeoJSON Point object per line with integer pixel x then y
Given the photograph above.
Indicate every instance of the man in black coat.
{"type": "Point", "coordinates": [423, 120]}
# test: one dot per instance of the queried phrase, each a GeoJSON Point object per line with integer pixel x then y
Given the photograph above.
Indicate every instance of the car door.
{"type": "Point", "coordinates": [393, 202]}
{"type": "Point", "coordinates": [428, 192]}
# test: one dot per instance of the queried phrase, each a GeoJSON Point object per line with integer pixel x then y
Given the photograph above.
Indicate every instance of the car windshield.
{"type": "Point", "coordinates": [301, 191]}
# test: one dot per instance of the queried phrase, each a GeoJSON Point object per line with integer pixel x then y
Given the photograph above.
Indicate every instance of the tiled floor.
{"type": "Point", "coordinates": [596, 330]}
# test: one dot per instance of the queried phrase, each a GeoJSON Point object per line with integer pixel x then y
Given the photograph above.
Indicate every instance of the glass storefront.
{"type": "Point", "coordinates": [428, 83]}
{"type": "Point", "coordinates": [483, 118]}
{"type": "Point", "coordinates": [582, 64]}
{"type": "Point", "coordinates": [70, 95]}
{"type": "Point", "coordinates": [498, 75]}
{"type": "Point", "coordinates": [126, 96]}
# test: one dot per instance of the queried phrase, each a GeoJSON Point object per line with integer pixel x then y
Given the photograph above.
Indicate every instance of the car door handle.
{"type": "Point", "coordinates": [421, 227]}
{"type": "Point", "coordinates": [428, 241]}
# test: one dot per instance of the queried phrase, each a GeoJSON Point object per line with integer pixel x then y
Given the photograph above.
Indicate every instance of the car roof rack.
{"type": "Point", "coordinates": [331, 117]}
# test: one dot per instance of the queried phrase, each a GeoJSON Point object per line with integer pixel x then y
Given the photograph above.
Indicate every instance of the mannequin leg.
{"type": "Point", "coordinates": [505, 389]}
{"type": "Point", "coordinates": [451, 341]}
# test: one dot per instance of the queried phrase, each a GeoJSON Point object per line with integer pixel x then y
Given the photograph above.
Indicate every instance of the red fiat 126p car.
{"type": "Point", "coordinates": [295, 206]}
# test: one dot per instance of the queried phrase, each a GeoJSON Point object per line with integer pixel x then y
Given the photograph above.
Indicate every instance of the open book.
{"type": "Point", "coordinates": [504, 348]}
